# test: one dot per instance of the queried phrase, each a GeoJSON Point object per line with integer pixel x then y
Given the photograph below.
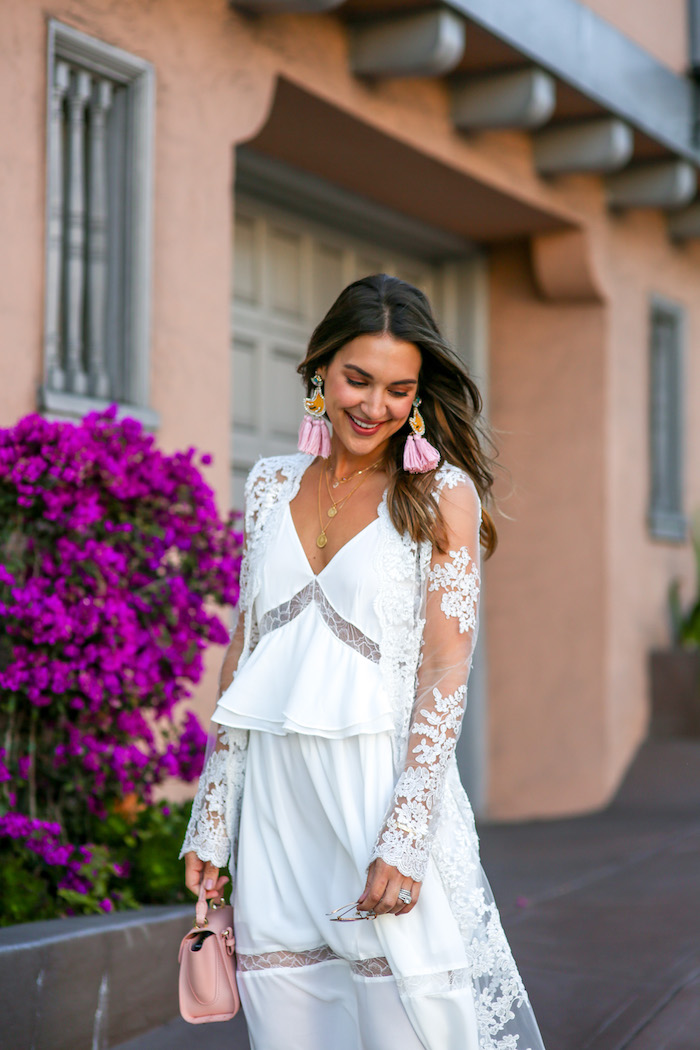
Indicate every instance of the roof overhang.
{"type": "Point", "coordinates": [594, 101]}
{"type": "Point", "coordinates": [315, 135]}
{"type": "Point", "coordinates": [593, 57]}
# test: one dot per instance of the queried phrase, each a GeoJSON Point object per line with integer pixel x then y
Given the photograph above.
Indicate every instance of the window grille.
{"type": "Point", "coordinates": [99, 151]}
{"type": "Point", "coordinates": [666, 425]}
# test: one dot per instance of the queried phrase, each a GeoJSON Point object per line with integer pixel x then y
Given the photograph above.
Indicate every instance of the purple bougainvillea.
{"type": "Point", "coordinates": [113, 560]}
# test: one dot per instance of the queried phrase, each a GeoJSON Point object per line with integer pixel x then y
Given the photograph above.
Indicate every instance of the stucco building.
{"type": "Point", "coordinates": [185, 187]}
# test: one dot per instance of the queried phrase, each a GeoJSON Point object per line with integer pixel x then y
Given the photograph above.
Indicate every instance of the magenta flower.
{"type": "Point", "coordinates": [114, 566]}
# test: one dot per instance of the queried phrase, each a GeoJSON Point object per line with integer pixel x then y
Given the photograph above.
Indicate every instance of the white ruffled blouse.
{"type": "Point", "coordinates": [313, 627]}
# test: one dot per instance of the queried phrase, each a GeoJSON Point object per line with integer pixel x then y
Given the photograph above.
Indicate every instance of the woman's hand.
{"type": "Point", "coordinates": [381, 892]}
{"type": "Point", "coordinates": [196, 870]}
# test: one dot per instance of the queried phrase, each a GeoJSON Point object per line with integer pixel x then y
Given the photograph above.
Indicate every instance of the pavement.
{"type": "Point", "coordinates": [601, 912]}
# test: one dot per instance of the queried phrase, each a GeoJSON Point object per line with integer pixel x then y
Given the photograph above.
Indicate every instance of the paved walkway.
{"type": "Point", "coordinates": [602, 913]}
{"type": "Point", "coordinates": [609, 940]}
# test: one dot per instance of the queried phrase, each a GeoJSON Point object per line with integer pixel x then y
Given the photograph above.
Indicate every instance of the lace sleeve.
{"type": "Point", "coordinates": [212, 831]}
{"type": "Point", "coordinates": [449, 636]}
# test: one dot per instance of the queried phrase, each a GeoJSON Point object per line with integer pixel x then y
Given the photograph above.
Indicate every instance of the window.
{"type": "Point", "coordinates": [666, 517]}
{"type": "Point", "coordinates": [98, 222]}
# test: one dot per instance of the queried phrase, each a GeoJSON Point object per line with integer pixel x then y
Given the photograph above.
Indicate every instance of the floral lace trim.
{"type": "Point", "coordinates": [271, 483]}
{"type": "Point", "coordinates": [405, 839]}
{"type": "Point", "coordinates": [397, 605]}
{"type": "Point", "coordinates": [343, 630]}
{"type": "Point", "coordinates": [503, 1011]}
{"type": "Point", "coordinates": [435, 983]}
{"type": "Point", "coordinates": [461, 588]}
{"type": "Point", "coordinates": [378, 967]}
{"type": "Point", "coordinates": [284, 959]}
{"type": "Point", "coordinates": [369, 968]}
{"type": "Point", "coordinates": [212, 830]}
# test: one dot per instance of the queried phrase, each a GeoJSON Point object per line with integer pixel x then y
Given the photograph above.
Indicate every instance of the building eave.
{"type": "Point", "coordinates": [584, 51]}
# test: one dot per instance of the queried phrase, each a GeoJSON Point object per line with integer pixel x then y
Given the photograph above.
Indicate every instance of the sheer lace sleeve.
{"type": "Point", "coordinates": [449, 636]}
{"type": "Point", "coordinates": [212, 831]}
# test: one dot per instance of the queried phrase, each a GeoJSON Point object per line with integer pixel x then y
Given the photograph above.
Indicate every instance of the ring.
{"type": "Point", "coordinates": [405, 896]}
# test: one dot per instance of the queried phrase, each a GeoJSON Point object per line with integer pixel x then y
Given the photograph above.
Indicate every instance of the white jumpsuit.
{"type": "Point", "coordinates": [319, 782]}
{"type": "Point", "coordinates": [319, 779]}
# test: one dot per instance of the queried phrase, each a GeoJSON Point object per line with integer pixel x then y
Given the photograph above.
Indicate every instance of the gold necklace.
{"type": "Point", "coordinates": [322, 539]}
{"type": "Point", "coordinates": [354, 474]}
{"type": "Point", "coordinates": [340, 503]}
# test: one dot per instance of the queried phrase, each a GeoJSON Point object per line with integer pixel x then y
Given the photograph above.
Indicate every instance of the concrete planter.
{"type": "Point", "coordinates": [91, 982]}
{"type": "Point", "coordinates": [675, 692]}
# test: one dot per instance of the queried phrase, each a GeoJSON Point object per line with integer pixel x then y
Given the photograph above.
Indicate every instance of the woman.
{"type": "Point", "coordinates": [333, 776]}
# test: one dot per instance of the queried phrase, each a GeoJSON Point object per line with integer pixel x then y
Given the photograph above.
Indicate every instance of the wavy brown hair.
{"type": "Point", "coordinates": [451, 403]}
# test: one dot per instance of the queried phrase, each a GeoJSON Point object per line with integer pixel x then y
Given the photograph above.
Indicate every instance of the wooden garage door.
{"type": "Point", "coordinates": [287, 272]}
{"type": "Point", "coordinates": [288, 269]}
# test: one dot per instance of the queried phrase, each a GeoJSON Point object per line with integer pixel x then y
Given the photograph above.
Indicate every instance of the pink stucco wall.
{"type": "Point", "coordinates": [547, 583]}
{"type": "Point", "coordinates": [643, 262]}
{"type": "Point", "coordinates": [578, 591]}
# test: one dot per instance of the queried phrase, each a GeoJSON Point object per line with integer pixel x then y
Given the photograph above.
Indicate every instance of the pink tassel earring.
{"type": "Point", "coordinates": [419, 456]}
{"type": "Point", "coordinates": [314, 436]}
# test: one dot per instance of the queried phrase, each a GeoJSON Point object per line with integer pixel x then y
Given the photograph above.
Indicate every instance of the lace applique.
{"type": "Point", "coordinates": [343, 630]}
{"type": "Point", "coordinates": [271, 484]}
{"type": "Point", "coordinates": [368, 968]}
{"type": "Point", "coordinates": [284, 959]}
{"type": "Point", "coordinates": [503, 1010]}
{"type": "Point", "coordinates": [461, 587]}
{"type": "Point", "coordinates": [212, 830]}
{"type": "Point", "coordinates": [435, 983]}
{"type": "Point", "coordinates": [439, 674]}
{"type": "Point", "coordinates": [405, 839]}
{"type": "Point", "coordinates": [397, 605]}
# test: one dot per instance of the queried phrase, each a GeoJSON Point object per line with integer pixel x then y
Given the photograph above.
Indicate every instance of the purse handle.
{"type": "Point", "coordinates": [202, 907]}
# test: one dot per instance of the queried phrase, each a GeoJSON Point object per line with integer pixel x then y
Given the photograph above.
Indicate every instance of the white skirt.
{"type": "Point", "coordinates": [311, 811]}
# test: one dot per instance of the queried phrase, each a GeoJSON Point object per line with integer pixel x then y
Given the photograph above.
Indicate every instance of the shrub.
{"type": "Point", "coordinates": [112, 562]}
{"type": "Point", "coordinates": [685, 624]}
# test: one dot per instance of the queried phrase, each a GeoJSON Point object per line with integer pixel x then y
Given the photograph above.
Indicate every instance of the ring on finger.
{"type": "Point", "coordinates": [405, 896]}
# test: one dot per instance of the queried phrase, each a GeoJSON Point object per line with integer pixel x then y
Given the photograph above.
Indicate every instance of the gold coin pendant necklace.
{"type": "Point", "coordinates": [337, 505]}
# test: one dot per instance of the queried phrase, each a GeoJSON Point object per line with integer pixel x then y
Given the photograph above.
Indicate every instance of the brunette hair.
{"type": "Point", "coordinates": [450, 400]}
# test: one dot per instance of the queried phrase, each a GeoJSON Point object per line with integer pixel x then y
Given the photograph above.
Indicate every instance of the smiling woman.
{"type": "Point", "coordinates": [332, 773]}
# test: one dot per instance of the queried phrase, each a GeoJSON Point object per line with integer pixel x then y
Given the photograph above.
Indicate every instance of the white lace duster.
{"type": "Point", "coordinates": [427, 604]}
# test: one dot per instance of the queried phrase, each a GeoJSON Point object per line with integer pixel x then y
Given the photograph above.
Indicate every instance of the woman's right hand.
{"type": "Point", "coordinates": [197, 870]}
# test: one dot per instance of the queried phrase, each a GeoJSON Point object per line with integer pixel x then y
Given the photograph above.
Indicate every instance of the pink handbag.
{"type": "Point", "coordinates": [207, 984]}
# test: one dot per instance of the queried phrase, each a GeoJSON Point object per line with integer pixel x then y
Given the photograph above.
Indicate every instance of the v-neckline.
{"type": "Point", "coordinates": [347, 543]}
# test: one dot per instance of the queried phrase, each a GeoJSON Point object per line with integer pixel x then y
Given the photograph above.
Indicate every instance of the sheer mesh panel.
{"type": "Point", "coordinates": [377, 967]}
{"type": "Point", "coordinates": [343, 630]}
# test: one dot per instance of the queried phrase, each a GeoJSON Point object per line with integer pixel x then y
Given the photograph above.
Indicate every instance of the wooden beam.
{"type": "Point", "coordinates": [268, 7]}
{"type": "Point", "coordinates": [522, 98]}
{"type": "Point", "coordinates": [565, 267]}
{"type": "Point", "coordinates": [684, 225]}
{"type": "Point", "coordinates": [426, 44]}
{"type": "Point", "coordinates": [664, 184]}
{"type": "Point", "coordinates": [599, 145]}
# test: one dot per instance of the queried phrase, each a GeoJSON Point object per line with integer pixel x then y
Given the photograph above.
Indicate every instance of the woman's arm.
{"type": "Point", "coordinates": [449, 637]}
{"type": "Point", "coordinates": [213, 827]}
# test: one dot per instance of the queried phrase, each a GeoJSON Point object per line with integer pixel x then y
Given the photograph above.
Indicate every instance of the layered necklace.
{"type": "Point", "coordinates": [337, 505]}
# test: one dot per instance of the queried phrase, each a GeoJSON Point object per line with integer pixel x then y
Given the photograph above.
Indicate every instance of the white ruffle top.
{"type": "Point", "coordinates": [313, 626]}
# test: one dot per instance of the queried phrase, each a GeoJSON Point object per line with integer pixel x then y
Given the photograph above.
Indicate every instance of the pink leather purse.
{"type": "Point", "coordinates": [207, 984]}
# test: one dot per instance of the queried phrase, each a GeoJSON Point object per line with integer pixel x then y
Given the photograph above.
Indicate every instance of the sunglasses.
{"type": "Point", "coordinates": [343, 914]}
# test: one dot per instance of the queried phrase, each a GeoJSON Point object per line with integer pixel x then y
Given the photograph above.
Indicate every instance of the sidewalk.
{"type": "Point", "coordinates": [601, 912]}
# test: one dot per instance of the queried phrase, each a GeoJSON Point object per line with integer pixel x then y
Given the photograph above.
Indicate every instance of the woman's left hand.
{"type": "Point", "coordinates": [381, 892]}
